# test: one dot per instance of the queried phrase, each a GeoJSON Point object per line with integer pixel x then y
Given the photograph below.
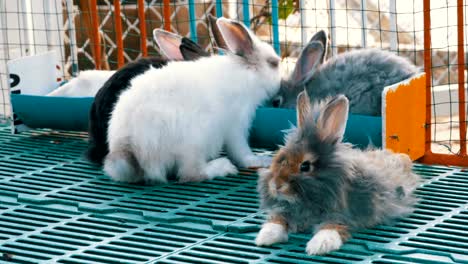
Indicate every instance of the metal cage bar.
{"type": "Point", "coordinates": [118, 33]}
{"type": "Point", "coordinates": [461, 77]}
{"type": "Point", "coordinates": [94, 38]}
{"type": "Point", "coordinates": [427, 70]}
{"type": "Point", "coordinates": [364, 23]}
{"type": "Point", "coordinates": [429, 156]}
{"type": "Point", "coordinates": [393, 26]}
{"type": "Point", "coordinates": [193, 21]}
{"type": "Point", "coordinates": [334, 47]}
{"type": "Point", "coordinates": [167, 14]}
{"type": "Point", "coordinates": [28, 28]}
{"type": "Point", "coordinates": [246, 12]}
{"type": "Point", "coordinates": [73, 42]}
{"type": "Point", "coordinates": [274, 18]}
{"type": "Point", "coordinates": [219, 8]}
{"type": "Point", "coordinates": [142, 25]}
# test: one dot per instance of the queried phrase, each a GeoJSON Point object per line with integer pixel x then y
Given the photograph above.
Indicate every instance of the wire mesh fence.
{"type": "Point", "coordinates": [446, 123]}
{"type": "Point", "coordinates": [33, 26]}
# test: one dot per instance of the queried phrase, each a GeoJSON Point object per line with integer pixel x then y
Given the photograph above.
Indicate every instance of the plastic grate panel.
{"type": "Point", "coordinates": [57, 208]}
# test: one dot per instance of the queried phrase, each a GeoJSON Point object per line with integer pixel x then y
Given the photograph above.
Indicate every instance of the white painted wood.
{"type": "Point", "coordinates": [393, 26]}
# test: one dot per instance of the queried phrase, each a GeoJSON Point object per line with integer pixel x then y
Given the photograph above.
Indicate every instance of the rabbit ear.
{"type": "Point", "coordinates": [331, 123]}
{"type": "Point", "coordinates": [311, 57]}
{"type": "Point", "coordinates": [168, 44]}
{"type": "Point", "coordinates": [303, 108]}
{"type": "Point", "coordinates": [191, 50]}
{"type": "Point", "coordinates": [218, 37]}
{"type": "Point", "coordinates": [236, 36]}
{"type": "Point", "coordinates": [321, 37]}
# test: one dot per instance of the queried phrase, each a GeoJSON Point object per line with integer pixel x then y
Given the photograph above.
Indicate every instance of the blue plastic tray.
{"type": "Point", "coordinates": [66, 113]}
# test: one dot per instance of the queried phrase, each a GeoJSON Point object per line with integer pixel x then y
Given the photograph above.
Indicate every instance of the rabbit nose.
{"type": "Point", "coordinates": [277, 186]}
{"type": "Point", "coordinates": [276, 103]}
{"type": "Point", "coordinates": [283, 188]}
{"type": "Point", "coordinates": [273, 187]}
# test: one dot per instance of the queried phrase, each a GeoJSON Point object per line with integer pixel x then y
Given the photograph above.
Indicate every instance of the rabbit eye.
{"type": "Point", "coordinates": [305, 166]}
{"type": "Point", "coordinates": [273, 62]}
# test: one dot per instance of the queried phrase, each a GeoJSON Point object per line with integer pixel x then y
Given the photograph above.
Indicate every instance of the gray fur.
{"type": "Point", "coordinates": [346, 186]}
{"type": "Point", "coordinates": [360, 75]}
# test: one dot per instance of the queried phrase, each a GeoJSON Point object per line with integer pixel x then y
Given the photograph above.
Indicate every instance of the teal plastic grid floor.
{"type": "Point", "coordinates": [57, 208]}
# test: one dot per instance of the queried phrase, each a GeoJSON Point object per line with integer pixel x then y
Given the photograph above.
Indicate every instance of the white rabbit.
{"type": "Point", "coordinates": [172, 46]}
{"type": "Point", "coordinates": [86, 84]}
{"type": "Point", "coordinates": [178, 118]}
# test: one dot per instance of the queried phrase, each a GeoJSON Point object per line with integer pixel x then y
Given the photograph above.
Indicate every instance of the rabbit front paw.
{"type": "Point", "coordinates": [323, 242]}
{"type": "Point", "coordinates": [256, 161]}
{"type": "Point", "coordinates": [219, 168]}
{"type": "Point", "coordinates": [215, 168]}
{"type": "Point", "coordinates": [271, 233]}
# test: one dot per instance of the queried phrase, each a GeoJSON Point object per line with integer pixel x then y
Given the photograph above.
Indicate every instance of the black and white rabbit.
{"type": "Point", "coordinates": [320, 185]}
{"type": "Point", "coordinates": [177, 119]}
{"type": "Point", "coordinates": [361, 75]}
{"type": "Point", "coordinates": [172, 46]}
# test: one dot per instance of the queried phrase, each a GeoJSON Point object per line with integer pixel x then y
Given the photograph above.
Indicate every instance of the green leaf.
{"type": "Point", "coordinates": [285, 7]}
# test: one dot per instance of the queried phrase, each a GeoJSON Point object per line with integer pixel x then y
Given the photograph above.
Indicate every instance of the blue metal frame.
{"type": "Point", "coordinates": [219, 8]}
{"type": "Point", "coordinates": [246, 20]}
{"type": "Point", "coordinates": [246, 12]}
{"type": "Point", "coordinates": [274, 22]}
{"type": "Point", "coordinates": [193, 21]}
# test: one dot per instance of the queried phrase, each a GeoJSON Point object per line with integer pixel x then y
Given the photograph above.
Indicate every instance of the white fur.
{"type": "Point", "coordinates": [121, 168]}
{"type": "Point", "coordinates": [323, 242]}
{"type": "Point", "coordinates": [259, 161]}
{"type": "Point", "coordinates": [86, 84]}
{"type": "Point", "coordinates": [183, 114]}
{"type": "Point", "coordinates": [219, 167]}
{"type": "Point", "coordinates": [271, 233]}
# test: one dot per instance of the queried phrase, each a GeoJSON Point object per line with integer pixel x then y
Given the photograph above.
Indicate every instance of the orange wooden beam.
{"type": "Point", "coordinates": [142, 19]}
{"type": "Point", "coordinates": [167, 14]}
{"type": "Point", "coordinates": [444, 159]}
{"type": "Point", "coordinates": [118, 33]}
{"type": "Point", "coordinates": [461, 78]}
{"type": "Point", "coordinates": [428, 71]}
{"type": "Point", "coordinates": [94, 36]}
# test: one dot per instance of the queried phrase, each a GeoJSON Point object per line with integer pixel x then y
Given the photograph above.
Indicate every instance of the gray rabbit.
{"type": "Point", "coordinates": [319, 184]}
{"type": "Point", "coordinates": [360, 75]}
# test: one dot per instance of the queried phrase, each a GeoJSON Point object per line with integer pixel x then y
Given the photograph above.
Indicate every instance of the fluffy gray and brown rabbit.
{"type": "Point", "coordinates": [319, 184]}
{"type": "Point", "coordinates": [360, 75]}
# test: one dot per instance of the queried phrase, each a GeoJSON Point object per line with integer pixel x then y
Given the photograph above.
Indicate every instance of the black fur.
{"type": "Point", "coordinates": [107, 96]}
{"type": "Point", "coordinates": [191, 51]}
{"type": "Point", "coordinates": [105, 100]}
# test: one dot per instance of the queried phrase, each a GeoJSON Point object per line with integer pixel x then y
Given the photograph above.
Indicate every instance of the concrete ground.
{"type": "Point", "coordinates": [445, 134]}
